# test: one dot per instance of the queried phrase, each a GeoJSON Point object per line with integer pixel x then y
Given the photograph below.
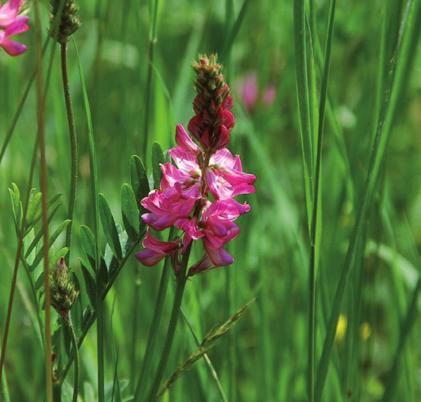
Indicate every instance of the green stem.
{"type": "Point", "coordinates": [44, 191]}
{"type": "Point", "coordinates": [314, 241]}
{"type": "Point", "coordinates": [408, 323]}
{"type": "Point", "coordinates": [179, 291]}
{"type": "Point", "coordinates": [153, 336]}
{"type": "Point", "coordinates": [73, 146]}
{"type": "Point", "coordinates": [76, 353]}
{"type": "Point", "coordinates": [100, 339]}
{"type": "Point", "coordinates": [151, 52]}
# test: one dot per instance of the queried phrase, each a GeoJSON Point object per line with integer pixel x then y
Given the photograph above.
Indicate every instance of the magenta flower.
{"type": "Point", "coordinates": [249, 91]}
{"type": "Point", "coordinates": [196, 193]}
{"type": "Point", "coordinates": [166, 207]}
{"type": "Point", "coordinates": [11, 24]}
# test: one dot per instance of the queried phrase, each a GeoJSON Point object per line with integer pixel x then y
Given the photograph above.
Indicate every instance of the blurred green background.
{"type": "Point", "coordinates": [264, 357]}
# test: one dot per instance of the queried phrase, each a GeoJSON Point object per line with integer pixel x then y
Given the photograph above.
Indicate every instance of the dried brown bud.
{"type": "Point", "coordinates": [63, 290]}
{"type": "Point", "coordinates": [68, 24]}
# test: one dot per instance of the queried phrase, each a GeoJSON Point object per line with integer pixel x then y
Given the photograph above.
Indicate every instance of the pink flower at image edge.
{"type": "Point", "coordinates": [11, 24]}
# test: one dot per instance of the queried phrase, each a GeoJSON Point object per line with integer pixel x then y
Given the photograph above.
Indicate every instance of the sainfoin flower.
{"type": "Point", "coordinates": [197, 192]}
{"type": "Point", "coordinates": [11, 24]}
{"type": "Point", "coordinates": [249, 91]}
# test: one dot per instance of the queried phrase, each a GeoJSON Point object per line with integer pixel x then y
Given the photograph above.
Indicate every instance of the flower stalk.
{"type": "Point", "coordinates": [197, 196]}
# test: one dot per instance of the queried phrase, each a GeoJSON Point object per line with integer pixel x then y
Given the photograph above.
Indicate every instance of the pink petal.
{"type": "Point", "coordinates": [18, 26]}
{"type": "Point", "coordinates": [9, 11]}
{"type": "Point", "coordinates": [155, 244]}
{"type": "Point", "coordinates": [149, 257]}
{"type": "Point", "coordinates": [219, 257]}
{"type": "Point", "coordinates": [12, 48]}
{"type": "Point", "coordinates": [184, 140]}
{"type": "Point", "coordinates": [203, 264]}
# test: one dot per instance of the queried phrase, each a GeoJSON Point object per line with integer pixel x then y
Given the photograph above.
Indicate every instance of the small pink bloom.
{"type": "Point", "coordinates": [12, 24]}
{"type": "Point", "coordinates": [226, 178]}
{"type": "Point", "coordinates": [248, 90]}
{"type": "Point", "coordinates": [166, 207]}
{"type": "Point", "coordinates": [269, 95]}
{"type": "Point", "coordinates": [155, 250]}
{"type": "Point", "coordinates": [190, 229]}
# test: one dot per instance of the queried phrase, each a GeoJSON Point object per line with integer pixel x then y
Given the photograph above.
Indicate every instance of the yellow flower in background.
{"type": "Point", "coordinates": [365, 331]}
{"type": "Point", "coordinates": [341, 328]}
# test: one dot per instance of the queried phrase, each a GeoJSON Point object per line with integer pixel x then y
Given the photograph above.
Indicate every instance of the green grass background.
{"type": "Point", "coordinates": [264, 357]}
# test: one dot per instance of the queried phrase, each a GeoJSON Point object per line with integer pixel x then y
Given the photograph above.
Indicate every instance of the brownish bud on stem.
{"type": "Point", "coordinates": [66, 11]}
{"type": "Point", "coordinates": [63, 290]}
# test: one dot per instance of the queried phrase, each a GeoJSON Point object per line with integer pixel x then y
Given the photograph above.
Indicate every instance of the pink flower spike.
{"type": "Point", "coordinates": [155, 250]}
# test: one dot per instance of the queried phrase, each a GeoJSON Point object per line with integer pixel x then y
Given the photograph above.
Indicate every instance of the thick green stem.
{"type": "Point", "coordinates": [152, 337]}
{"type": "Point", "coordinates": [73, 146]}
{"type": "Point", "coordinates": [179, 291]}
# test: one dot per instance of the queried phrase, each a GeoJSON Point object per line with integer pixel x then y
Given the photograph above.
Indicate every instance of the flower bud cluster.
{"type": "Point", "coordinates": [213, 119]}
{"type": "Point", "coordinates": [63, 290]}
{"type": "Point", "coordinates": [68, 24]}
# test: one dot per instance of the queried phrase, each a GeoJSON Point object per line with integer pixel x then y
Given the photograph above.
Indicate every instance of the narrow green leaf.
{"type": "Point", "coordinates": [110, 229]}
{"type": "Point", "coordinates": [157, 159]}
{"type": "Point", "coordinates": [130, 211]}
{"type": "Point", "coordinates": [88, 244]}
{"type": "Point", "coordinates": [139, 179]}
{"type": "Point", "coordinates": [208, 341]}
{"type": "Point", "coordinates": [234, 31]}
{"type": "Point", "coordinates": [89, 284]}
{"type": "Point", "coordinates": [39, 234]}
{"type": "Point", "coordinates": [51, 242]}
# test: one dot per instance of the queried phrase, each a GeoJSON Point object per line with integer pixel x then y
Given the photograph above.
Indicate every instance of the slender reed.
{"type": "Point", "coordinates": [73, 145]}
{"type": "Point", "coordinates": [44, 191]}
{"type": "Point", "coordinates": [69, 324]}
{"type": "Point", "coordinates": [164, 282]}
{"type": "Point", "coordinates": [314, 240]}
{"type": "Point", "coordinates": [151, 53]}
